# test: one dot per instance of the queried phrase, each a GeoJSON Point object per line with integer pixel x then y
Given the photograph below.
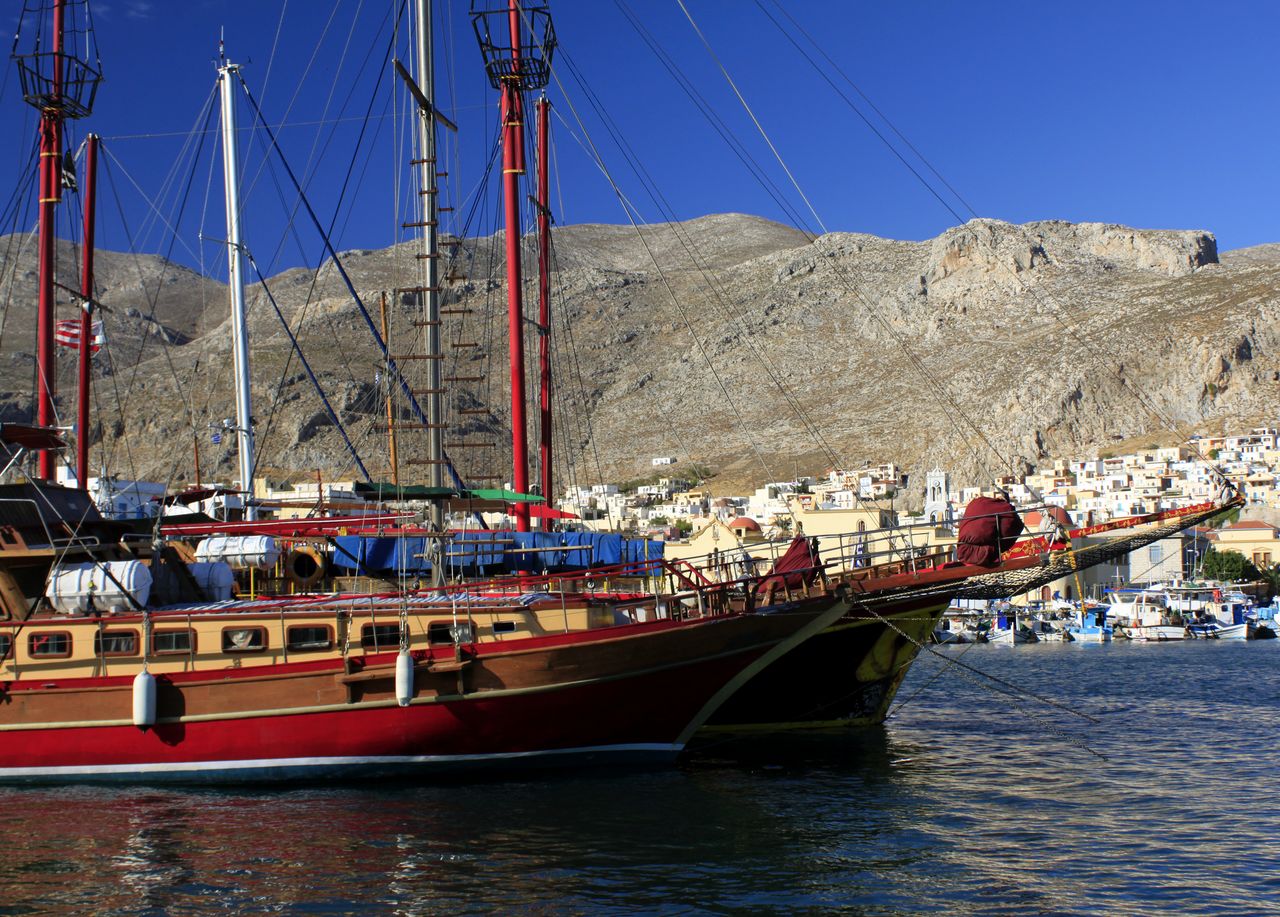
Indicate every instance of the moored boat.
{"type": "Point", "coordinates": [1144, 614]}
{"type": "Point", "coordinates": [185, 683]}
{"type": "Point", "coordinates": [1091, 625]}
{"type": "Point", "coordinates": [319, 686]}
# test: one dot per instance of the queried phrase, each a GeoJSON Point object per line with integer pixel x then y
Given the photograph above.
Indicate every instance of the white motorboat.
{"type": "Point", "coordinates": [1145, 614]}
{"type": "Point", "coordinates": [1226, 618]}
{"type": "Point", "coordinates": [1011, 636]}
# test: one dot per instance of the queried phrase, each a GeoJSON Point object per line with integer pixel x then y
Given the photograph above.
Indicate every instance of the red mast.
{"type": "Point", "coordinates": [515, 66]}
{"type": "Point", "coordinates": [544, 303]}
{"type": "Point", "coordinates": [512, 169]}
{"type": "Point", "coordinates": [86, 314]}
{"type": "Point", "coordinates": [50, 197]}
{"type": "Point", "coordinates": [61, 86]}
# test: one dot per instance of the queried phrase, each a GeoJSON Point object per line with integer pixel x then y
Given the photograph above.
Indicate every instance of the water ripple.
{"type": "Point", "coordinates": [967, 802]}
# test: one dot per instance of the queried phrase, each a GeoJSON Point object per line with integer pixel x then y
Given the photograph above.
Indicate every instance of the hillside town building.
{"type": "Point", "coordinates": [1083, 492]}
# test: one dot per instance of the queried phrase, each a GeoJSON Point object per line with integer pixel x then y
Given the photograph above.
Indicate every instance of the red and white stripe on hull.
{"type": "Point", "coordinates": [343, 768]}
{"type": "Point", "coordinates": [577, 722]}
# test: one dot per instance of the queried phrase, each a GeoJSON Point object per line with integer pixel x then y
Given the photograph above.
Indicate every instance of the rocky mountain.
{"type": "Point", "coordinates": [727, 340]}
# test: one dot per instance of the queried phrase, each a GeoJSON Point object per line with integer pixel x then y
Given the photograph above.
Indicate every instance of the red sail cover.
{"type": "Point", "coordinates": [799, 566]}
{"type": "Point", "coordinates": [989, 527]}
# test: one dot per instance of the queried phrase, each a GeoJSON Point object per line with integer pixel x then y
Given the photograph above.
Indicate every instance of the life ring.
{"type": "Point", "coordinates": [304, 566]}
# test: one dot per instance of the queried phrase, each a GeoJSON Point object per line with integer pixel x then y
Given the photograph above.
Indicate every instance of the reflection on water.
{"type": "Point", "coordinates": [965, 802]}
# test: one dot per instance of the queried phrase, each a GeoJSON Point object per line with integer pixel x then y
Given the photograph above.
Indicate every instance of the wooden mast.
{"type": "Point", "coordinates": [429, 188]}
{"type": "Point", "coordinates": [514, 69]}
{"type": "Point", "coordinates": [50, 196]}
{"type": "Point", "coordinates": [544, 307]}
{"type": "Point", "coordinates": [86, 313]}
{"type": "Point", "coordinates": [512, 169]}
{"type": "Point", "coordinates": [61, 85]}
{"type": "Point", "coordinates": [227, 73]}
{"type": "Point", "coordinates": [391, 418]}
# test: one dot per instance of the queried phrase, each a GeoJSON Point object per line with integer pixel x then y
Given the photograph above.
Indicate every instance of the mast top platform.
{"type": "Point", "coordinates": [53, 78]}
{"type": "Point", "coordinates": [530, 67]}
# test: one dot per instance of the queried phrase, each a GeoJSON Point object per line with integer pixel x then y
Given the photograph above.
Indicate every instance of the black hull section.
{"type": "Point", "coordinates": [847, 675]}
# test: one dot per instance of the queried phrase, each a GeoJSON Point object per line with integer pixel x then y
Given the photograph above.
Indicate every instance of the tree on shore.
{"type": "Point", "coordinates": [1229, 567]}
{"type": "Point", "coordinates": [1271, 576]}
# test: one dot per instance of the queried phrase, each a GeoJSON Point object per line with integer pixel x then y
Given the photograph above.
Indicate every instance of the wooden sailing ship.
{"type": "Point", "coordinates": [124, 656]}
{"type": "Point", "coordinates": [121, 659]}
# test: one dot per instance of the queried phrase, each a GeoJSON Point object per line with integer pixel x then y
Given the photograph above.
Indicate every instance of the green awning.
{"type": "Point", "coordinates": [383, 490]}
{"type": "Point", "coordinates": [498, 493]}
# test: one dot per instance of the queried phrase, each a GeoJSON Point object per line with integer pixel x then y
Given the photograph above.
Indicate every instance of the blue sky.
{"type": "Point", "coordinates": [1151, 114]}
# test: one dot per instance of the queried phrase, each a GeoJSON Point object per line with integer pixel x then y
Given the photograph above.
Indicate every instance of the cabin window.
{"type": "Point", "coordinates": [6, 644]}
{"type": "Point", "coordinates": [244, 639]}
{"type": "Point", "coordinates": [303, 637]}
{"type": "Point", "coordinates": [446, 632]}
{"type": "Point", "coordinates": [49, 645]}
{"type": "Point", "coordinates": [172, 642]}
{"type": "Point", "coordinates": [115, 643]}
{"type": "Point", "coordinates": [380, 637]}
{"type": "Point", "coordinates": [504, 627]}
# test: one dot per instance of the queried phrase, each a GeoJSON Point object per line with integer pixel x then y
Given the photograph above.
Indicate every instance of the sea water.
{"type": "Point", "coordinates": [1122, 778]}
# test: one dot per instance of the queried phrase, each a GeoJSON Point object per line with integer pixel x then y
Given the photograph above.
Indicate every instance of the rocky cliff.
{"type": "Point", "coordinates": [727, 340]}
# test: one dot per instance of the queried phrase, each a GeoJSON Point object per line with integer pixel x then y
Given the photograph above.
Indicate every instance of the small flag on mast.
{"type": "Point", "coordinates": [68, 171]}
{"type": "Point", "coordinates": [67, 333]}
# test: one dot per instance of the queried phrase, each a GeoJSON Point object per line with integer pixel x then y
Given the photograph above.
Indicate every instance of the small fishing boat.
{"type": "Point", "coordinates": [1013, 635]}
{"type": "Point", "coordinates": [1091, 625]}
{"type": "Point", "coordinates": [1048, 631]}
{"type": "Point", "coordinates": [1228, 623]}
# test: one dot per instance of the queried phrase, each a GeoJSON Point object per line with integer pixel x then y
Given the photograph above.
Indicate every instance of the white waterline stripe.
{"type": "Point", "coordinates": [353, 761]}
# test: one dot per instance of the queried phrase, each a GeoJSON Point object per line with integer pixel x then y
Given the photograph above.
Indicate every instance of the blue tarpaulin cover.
{"type": "Point", "coordinates": [495, 552]}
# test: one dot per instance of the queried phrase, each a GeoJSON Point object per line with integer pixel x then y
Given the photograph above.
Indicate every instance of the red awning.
{"type": "Point", "coordinates": [542, 511]}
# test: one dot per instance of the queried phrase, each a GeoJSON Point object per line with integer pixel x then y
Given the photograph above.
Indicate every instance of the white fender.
{"type": "Point", "coordinates": [404, 678]}
{"type": "Point", "coordinates": [144, 699]}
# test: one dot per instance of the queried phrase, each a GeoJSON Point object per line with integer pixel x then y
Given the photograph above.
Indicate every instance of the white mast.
{"type": "Point", "coordinates": [235, 280]}
{"type": "Point", "coordinates": [425, 79]}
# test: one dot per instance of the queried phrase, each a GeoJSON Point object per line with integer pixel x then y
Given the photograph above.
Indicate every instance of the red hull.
{"type": "Point", "coordinates": [628, 719]}
{"type": "Point", "coordinates": [626, 694]}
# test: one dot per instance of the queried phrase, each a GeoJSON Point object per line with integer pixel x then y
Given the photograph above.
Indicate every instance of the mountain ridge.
{"type": "Point", "coordinates": [986, 349]}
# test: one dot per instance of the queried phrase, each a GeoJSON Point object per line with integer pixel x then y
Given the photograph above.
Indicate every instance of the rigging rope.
{"type": "Point", "coordinates": [704, 269]}
{"type": "Point", "coordinates": [1090, 346]}
{"type": "Point", "coordinates": [337, 422]}
{"type": "Point", "coordinates": [594, 152]}
{"type": "Point", "coordinates": [941, 390]}
{"type": "Point", "coordinates": [364, 312]}
{"type": "Point", "coordinates": [109, 163]}
{"type": "Point", "coordinates": [301, 319]}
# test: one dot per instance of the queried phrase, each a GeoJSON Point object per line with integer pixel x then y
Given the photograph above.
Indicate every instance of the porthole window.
{"type": "Point", "coordinates": [446, 632]}
{"type": "Point", "coordinates": [172, 642]}
{"type": "Point", "coordinates": [244, 639]}
{"type": "Point", "coordinates": [301, 638]}
{"type": "Point", "coordinates": [49, 645]}
{"type": "Point", "coordinates": [378, 637]}
{"type": "Point", "coordinates": [115, 643]}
